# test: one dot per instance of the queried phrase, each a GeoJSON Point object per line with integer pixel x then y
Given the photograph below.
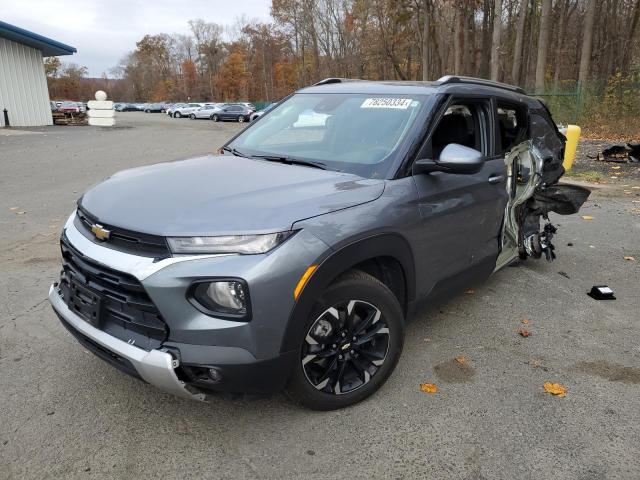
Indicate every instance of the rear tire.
{"type": "Point", "coordinates": [177, 115]}
{"type": "Point", "coordinates": [240, 119]}
{"type": "Point", "coordinates": [350, 344]}
{"type": "Point", "coordinates": [192, 117]}
{"type": "Point", "coordinates": [215, 118]}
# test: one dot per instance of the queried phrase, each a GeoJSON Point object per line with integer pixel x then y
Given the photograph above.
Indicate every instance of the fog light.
{"type": "Point", "coordinates": [214, 375]}
{"type": "Point", "coordinates": [222, 297]}
{"type": "Point", "coordinates": [229, 295]}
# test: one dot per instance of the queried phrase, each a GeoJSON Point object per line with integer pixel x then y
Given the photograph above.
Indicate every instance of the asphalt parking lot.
{"type": "Point", "coordinates": [67, 414]}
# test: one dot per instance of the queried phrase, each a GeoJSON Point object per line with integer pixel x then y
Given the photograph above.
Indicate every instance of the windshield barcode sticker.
{"type": "Point", "coordinates": [401, 103]}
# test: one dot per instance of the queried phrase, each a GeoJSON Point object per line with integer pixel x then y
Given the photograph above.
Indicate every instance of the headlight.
{"type": "Point", "coordinates": [227, 298]}
{"type": "Point", "coordinates": [244, 244]}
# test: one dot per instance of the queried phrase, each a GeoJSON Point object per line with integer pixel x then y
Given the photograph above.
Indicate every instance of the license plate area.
{"type": "Point", "coordinates": [85, 303]}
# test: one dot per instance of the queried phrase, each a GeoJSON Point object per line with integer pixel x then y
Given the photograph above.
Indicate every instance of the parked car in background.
{"type": "Point", "coordinates": [171, 107]}
{"type": "Point", "coordinates": [256, 115]}
{"type": "Point", "coordinates": [236, 112]}
{"type": "Point", "coordinates": [248, 105]}
{"type": "Point", "coordinates": [207, 111]}
{"type": "Point", "coordinates": [69, 107]}
{"type": "Point", "coordinates": [54, 107]}
{"type": "Point", "coordinates": [186, 110]}
{"type": "Point", "coordinates": [126, 107]}
{"type": "Point", "coordinates": [154, 107]}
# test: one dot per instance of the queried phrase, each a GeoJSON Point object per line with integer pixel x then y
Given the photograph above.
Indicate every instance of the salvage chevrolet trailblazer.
{"type": "Point", "coordinates": [293, 258]}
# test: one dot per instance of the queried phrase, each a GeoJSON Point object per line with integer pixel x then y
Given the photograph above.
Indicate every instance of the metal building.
{"type": "Point", "coordinates": [23, 85]}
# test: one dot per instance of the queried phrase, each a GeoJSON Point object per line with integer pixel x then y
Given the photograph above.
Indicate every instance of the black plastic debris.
{"type": "Point", "coordinates": [621, 153]}
{"type": "Point", "coordinates": [601, 292]}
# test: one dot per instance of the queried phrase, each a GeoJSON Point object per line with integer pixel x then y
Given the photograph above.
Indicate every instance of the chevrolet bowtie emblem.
{"type": "Point", "coordinates": [100, 232]}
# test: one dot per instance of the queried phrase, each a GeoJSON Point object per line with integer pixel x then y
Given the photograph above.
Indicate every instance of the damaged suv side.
{"type": "Point", "coordinates": [293, 258]}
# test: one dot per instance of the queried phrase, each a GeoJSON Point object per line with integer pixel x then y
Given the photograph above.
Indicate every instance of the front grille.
{"type": "Point", "coordinates": [125, 309]}
{"type": "Point", "coordinates": [123, 240]}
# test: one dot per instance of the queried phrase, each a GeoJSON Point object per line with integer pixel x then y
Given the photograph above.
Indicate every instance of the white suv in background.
{"type": "Point", "coordinates": [186, 109]}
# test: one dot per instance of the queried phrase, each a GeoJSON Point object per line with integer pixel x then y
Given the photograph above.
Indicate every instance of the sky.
{"type": "Point", "coordinates": [103, 31]}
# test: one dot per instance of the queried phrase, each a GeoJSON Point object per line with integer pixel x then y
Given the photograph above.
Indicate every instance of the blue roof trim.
{"type": "Point", "coordinates": [49, 47]}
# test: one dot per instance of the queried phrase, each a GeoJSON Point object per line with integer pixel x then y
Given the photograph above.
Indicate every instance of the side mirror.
{"type": "Point", "coordinates": [454, 158]}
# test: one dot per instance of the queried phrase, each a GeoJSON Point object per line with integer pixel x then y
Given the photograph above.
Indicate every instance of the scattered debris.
{"type": "Point", "coordinates": [461, 360]}
{"type": "Point", "coordinates": [524, 332]}
{"type": "Point", "coordinates": [620, 154]}
{"type": "Point", "coordinates": [629, 258]}
{"type": "Point", "coordinates": [68, 118]}
{"type": "Point", "coordinates": [428, 387]}
{"type": "Point", "coordinates": [587, 217]}
{"type": "Point", "coordinates": [555, 389]}
{"type": "Point", "coordinates": [525, 321]}
{"type": "Point", "coordinates": [564, 274]}
{"type": "Point", "coordinates": [471, 291]}
{"type": "Point", "coordinates": [601, 292]}
{"type": "Point", "coordinates": [569, 244]}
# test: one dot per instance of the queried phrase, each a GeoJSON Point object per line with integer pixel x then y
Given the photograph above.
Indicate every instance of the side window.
{"type": "Point", "coordinates": [512, 127]}
{"type": "Point", "coordinates": [464, 123]}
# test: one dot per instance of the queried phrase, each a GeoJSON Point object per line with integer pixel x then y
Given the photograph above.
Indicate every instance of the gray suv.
{"type": "Point", "coordinates": [294, 257]}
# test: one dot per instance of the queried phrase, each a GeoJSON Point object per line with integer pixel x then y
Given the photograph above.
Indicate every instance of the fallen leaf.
{"type": "Point", "coordinates": [587, 217]}
{"type": "Point", "coordinates": [461, 360]}
{"type": "Point", "coordinates": [13, 209]}
{"type": "Point", "coordinates": [524, 333]}
{"type": "Point", "coordinates": [555, 389]}
{"type": "Point", "coordinates": [616, 167]}
{"type": "Point", "coordinates": [471, 291]}
{"type": "Point", "coordinates": [525, 321]}
{"type": "Point", "coordinates": [428, 387]}
{"type": "Point", "coordinates": [629, 258]}
{"type": "Point", "coordinates": [535, 363]}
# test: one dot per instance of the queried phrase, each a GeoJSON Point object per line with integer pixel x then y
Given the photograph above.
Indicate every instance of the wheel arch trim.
{"type": "Point", "coordinates": [380, 245]}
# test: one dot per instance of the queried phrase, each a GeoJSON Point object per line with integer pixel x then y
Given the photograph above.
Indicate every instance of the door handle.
{"type": "Point", "coordinates": [496, 178]}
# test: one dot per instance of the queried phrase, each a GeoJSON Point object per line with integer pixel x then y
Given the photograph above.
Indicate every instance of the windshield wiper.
{"type": "Point", "coordinates": [290, 161]}
{"type": "Point", "coordinates": [235, 152]}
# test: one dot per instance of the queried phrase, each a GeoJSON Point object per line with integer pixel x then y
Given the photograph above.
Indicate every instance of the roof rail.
{"type": "Point", "coordinates": [448, 79]}
{"type": "Point", "coordinates": [329, 80]}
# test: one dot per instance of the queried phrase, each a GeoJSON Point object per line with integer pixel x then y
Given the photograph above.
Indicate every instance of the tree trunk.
{"type": "Point", "coordinates": [587, 40]}
{"type": "Point", "coordinates": [628, 41]}
{"type": "Point", "coordinates": [425, 39]}
{"type": "Point", "coordinates": [487, 26]}
{"type": "Point", "coordinates": [543, 45]}
{"type": "Point", "coordinates": [560, 44]}
{"type": "Point", "coordinates": [457, 41]}
{"type": "Point", "coordinates": [495, 42]}
{"type": "Point", "coordinates": [517, 52]}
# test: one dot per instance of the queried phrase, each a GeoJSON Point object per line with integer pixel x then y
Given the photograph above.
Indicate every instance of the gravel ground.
{"type": "Point", "coordinates": [67, 414]}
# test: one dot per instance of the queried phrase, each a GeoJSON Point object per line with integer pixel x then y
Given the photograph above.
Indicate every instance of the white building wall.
{"type": "Point", "coordinates": [23, 86]}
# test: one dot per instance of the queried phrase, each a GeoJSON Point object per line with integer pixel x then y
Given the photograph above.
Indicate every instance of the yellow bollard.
{"type": "Point", "coordinates": [573, 135]}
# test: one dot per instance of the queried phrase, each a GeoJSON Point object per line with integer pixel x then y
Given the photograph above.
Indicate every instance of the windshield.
{"type": "Point", "coordinates": [355, 133]}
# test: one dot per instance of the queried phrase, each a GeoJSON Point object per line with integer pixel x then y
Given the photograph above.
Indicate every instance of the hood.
{"type": "Point", "coordinates": [220, 194]}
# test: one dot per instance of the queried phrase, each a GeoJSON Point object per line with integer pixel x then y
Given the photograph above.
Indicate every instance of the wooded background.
{"type": "Point", "coordinates": [579, 55]}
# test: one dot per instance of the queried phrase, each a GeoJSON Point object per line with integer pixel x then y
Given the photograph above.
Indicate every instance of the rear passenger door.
{"type": "Point", "coordinates": [461, 214]}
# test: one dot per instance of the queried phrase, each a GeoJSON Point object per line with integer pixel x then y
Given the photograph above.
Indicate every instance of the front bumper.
{"type": "Point", "coordinates": [156, 367]}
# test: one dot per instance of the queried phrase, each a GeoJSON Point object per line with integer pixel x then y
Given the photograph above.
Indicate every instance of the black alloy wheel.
{"type": "Point", "coordinates": [345, 347]}
{"type": "Point", "coordinates": [350, 344]}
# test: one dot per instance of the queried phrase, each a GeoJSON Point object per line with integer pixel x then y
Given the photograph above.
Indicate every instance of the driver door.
{"type": "Point", "coordinates": [461, 214]}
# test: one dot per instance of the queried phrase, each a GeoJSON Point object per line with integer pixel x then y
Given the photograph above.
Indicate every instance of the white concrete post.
{"type": "Point", "coordinates": [101, 113]}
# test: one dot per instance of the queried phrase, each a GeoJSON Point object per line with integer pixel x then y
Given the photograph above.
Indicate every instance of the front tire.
{"type": "Point", "coordinates": [214, 118]}
{"type": "Point", "coordinates": [240, 119]}
{"type": "Point", "coordinates": [192, 117]}
{"type": "Point", "coordinates": [352, 343]}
